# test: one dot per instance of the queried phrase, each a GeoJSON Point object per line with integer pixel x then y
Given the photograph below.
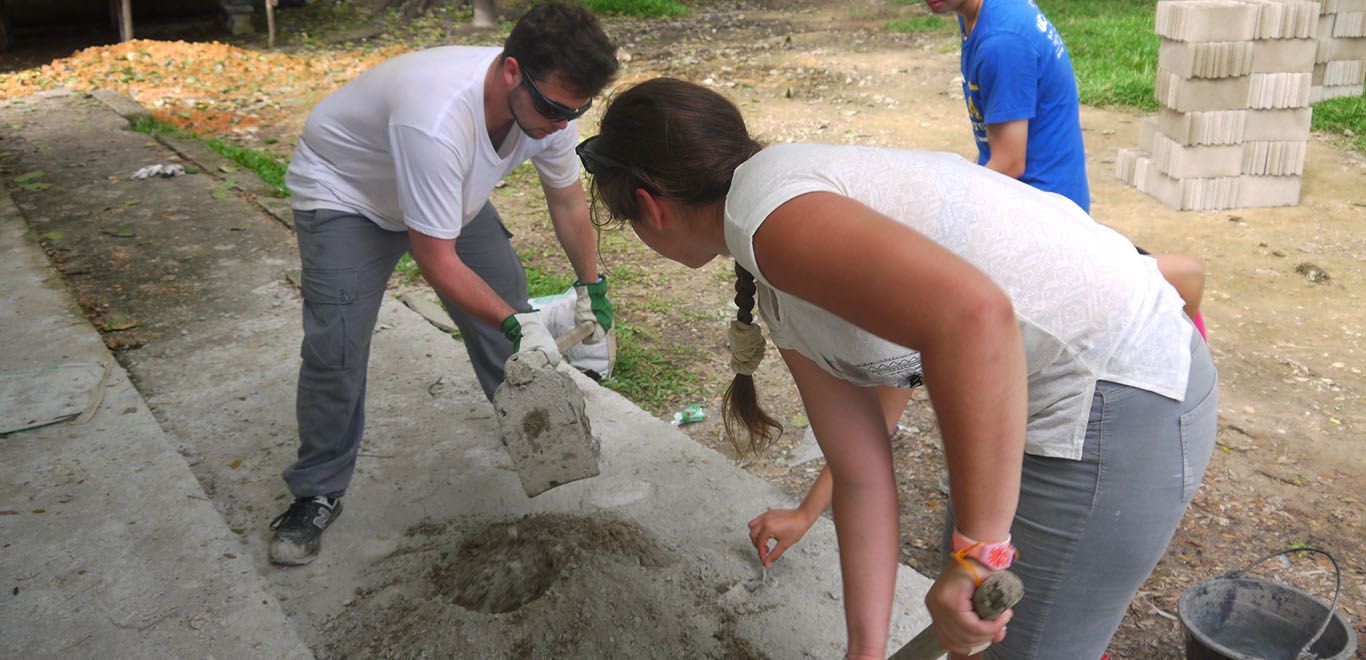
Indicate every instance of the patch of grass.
{"type": "Point", "coordinates": [637, 8]}
{"type": "Point", "coordinates": [543, 283]}
{"type": "Point", "coordinates": [407, 270]}
{"type": "Point", "coordinates": [652, 375]}
{"type": "Point", "coordinates": [1346, 116]}
{"type": "Point", "coordinates": [927, 23]}
{"type": "Point", "coordinates": [269, 167]}
{"type": "Point", "coordinates": [1113, 49]}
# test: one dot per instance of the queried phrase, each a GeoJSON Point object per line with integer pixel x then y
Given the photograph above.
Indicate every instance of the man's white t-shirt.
{"type": "Point", "coordinates": [405, 145]}
{"type": "Point", "coordinates": [1089, 306]}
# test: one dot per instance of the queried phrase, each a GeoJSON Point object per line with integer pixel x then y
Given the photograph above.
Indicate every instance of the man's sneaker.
{"type": "Point", "coordinates": [299, 531]}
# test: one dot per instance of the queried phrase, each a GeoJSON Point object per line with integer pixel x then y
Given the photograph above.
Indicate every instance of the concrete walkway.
{"type": "Point", "coordinates": [110, 547]}
{"type": "Point", "coordinates": [132, 558]}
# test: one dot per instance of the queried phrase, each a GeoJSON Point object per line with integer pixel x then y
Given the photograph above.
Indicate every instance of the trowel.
{"type": "Point", "coordinates": [544, 423]}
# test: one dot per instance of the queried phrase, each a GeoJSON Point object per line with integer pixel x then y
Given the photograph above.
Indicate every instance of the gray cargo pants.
{"type": "Point", "coordinates": [347, 261]}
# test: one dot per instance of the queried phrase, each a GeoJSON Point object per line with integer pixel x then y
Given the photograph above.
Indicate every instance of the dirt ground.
{"type": "Point", "coordinates": [1288, 470]}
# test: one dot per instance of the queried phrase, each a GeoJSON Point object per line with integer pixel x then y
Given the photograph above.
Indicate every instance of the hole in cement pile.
{"type": "Point", "coordinates": [501, 566]}
{"type": "Point", "coordinates": [541, 586]}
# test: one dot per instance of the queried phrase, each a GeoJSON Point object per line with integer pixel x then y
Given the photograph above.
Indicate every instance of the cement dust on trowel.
{"type": "Point", "coordinates": [539, 586]}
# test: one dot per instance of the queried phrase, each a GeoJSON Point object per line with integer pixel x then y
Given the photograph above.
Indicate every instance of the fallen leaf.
{"type": "Point", "coordinates": [236, 463]}
{"type": "Point", "coordinates": [29, 176]}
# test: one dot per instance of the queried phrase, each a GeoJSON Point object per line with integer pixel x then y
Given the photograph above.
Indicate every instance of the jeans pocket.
{"type": "Point", "coordinates": [328, 295]}
{"type": "Point", "coordinates": [1198, 429]}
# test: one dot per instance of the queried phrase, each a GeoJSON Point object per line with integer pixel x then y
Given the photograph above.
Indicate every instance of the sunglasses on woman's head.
{"type": "Point", "coordinates": [552, 110]}
{"type": "Point", "coordinates": [594, 161]}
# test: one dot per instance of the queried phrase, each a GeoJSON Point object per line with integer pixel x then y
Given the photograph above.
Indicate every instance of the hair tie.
{"type": "Point", "coordinates": [746, 347]}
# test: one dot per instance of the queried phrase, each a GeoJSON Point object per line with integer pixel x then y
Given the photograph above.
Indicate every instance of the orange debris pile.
{"type": "Point", "coordinates": [208, 88]}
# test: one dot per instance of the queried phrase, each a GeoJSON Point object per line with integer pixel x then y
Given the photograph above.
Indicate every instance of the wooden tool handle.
{"type": "Point", "coordinates": [998, 593]}
{"type": "Point", "coordinates": [578, 334]}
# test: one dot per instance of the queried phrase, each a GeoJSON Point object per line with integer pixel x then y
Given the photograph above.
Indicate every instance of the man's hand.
{"type": "Point", "coordinates": [527, 333]}
{"type": "Point", "coordinates": [786, 526]}
{"type": "Point", "coordinates": [592, 306]}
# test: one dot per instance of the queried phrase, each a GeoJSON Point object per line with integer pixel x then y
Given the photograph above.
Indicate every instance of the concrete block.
{"type": "Point", "coordinates": [1279, 90]}
{"type": "Point", "coordinates": [1210, 59]}
{"type": "Point", "coordinates": [1126, 162]}
{"type": "Point", "coordinates": [1280, 158]}
{"type": "Point", "coordinates": [1212, 127]}
{"type": "Point", "coordinates": [1148, 130]}
{"type": "Point", "coordinates": [1197, 94]}
{"type": "Point", "coordinates": [1283, 55]}
{"type": "Point", "coordinates": [541, 413]}
{"type": "Point", "coordinates": [1192, 194]}
{"type": "Point", "coordinates": [1341, 48]}
{"type": "Point", "coordinates": [1323, 93]}
{"type": "Point", "coordinates": [1349, 24]}
{"type": "Point", "coordinates": [1343, 72]}
{"type": "Point", "coordinates": [1255, 191]}
{"type": "Point", "coordinates": [1279, 19]}
{"type": "Point", "coordinates": [1207, 20]}
{"type": "Point", "coordinates": [1288, 124]}
{"type": "Point", "coordinates": [1337, 6]}
{"type": "Point", "coordinates": [1199, 161]}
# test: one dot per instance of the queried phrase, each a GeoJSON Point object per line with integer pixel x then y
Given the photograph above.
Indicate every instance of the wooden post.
{"type": "Point", "coordinates": [126, 20]}
{"type": "Point", "coordinates": [270, 23]}
{"type": "Point", "coordinates": [485, 14]}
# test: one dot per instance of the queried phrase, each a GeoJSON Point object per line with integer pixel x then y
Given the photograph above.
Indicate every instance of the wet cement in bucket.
{"type": "Point", "coordinates": [540, 586]}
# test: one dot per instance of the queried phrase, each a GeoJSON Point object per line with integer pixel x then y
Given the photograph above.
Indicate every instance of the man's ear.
{"type": "Point", "coordinates": [512, 72]}
{"type": "Point", "coordinates": [652, 212]}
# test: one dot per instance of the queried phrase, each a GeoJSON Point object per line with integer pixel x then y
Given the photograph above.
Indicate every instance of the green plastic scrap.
{"type": "Point", "coordinates": [690, 415]}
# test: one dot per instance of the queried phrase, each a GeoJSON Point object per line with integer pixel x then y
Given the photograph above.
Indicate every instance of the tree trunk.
{"type": "Point", "coordinates": [486, 13]}
{"type": "Point", "coordinates": [124, 15]}
{"type": "Point", "coordinates": [270, 23]}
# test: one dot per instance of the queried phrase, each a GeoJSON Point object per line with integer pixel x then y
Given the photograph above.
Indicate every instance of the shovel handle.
{"type": "Point", "coordinates": [578, 334]}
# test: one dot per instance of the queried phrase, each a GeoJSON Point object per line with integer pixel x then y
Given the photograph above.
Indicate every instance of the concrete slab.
{"type": "Point", "coordinates": [111, 549]}
{"type": "Point", "coordinates": [216, 364]}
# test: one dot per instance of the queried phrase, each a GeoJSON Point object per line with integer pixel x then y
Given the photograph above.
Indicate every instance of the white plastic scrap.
{"type": "Point", "coordinates": [160, 169]}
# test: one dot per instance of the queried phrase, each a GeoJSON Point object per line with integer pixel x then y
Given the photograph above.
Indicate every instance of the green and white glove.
{"type": "Point", "coordinates": [592, 306]}
{"type": "Point", "coordinates": [527, 333]}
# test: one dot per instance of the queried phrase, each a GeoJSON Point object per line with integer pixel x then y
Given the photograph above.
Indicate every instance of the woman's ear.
{"type": "Point", "coordinates": [652, 213]}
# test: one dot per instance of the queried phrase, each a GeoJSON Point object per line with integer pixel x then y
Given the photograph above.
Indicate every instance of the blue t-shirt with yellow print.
{"type": "Point", "coordinates": [1015, 66]}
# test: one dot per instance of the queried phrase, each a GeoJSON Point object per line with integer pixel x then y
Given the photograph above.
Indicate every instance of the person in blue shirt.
{"type": "Point", "coordinates": [1021, 96]}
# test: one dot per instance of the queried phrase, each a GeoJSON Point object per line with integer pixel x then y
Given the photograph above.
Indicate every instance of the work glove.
{"type": "Point", "coordinates": [592, 306]}
{"type": "Point", "coordinates": [527, 333]}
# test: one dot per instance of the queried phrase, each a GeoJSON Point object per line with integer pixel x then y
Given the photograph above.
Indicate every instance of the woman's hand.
{"type": "Point", "coordinates": [959, 628]}
{"type": "Point", "coordinates": [786, 526]}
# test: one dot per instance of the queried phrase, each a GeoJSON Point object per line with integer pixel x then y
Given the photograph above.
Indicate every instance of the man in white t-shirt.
{"type": "Point", "coordinates": [403, 159]}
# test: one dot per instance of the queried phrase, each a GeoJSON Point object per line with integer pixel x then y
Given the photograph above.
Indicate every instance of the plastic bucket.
{"type": "Point", "coordinates": [1245, 617]}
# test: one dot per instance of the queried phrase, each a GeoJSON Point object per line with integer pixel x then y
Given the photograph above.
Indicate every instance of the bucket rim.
{"type": "Point", "coordinates": [1350, 641]}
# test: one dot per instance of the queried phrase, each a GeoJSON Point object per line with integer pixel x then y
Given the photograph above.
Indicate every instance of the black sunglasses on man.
{"type": "Point", "coordinates": [550, 109]}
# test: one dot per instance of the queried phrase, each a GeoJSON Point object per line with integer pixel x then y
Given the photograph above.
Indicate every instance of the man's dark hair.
{"type": "Point", "coordinates": [564, 38]}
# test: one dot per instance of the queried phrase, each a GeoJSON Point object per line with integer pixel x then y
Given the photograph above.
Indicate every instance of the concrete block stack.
{"type": "Point", "coordinates": [1234, 81]}
{"type": "Point", "coordinates": [1340, 68]}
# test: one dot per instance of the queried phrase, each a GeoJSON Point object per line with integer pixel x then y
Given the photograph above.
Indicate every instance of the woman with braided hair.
{"type": "Point", "coordinates": [1045, 341]}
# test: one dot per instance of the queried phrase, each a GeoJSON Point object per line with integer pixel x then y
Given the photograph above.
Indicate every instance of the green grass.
{"type": "Point", "coordinates": [542, 283]}
{"type": "Point", "coordinates": [269, 167]}
{"type": "Point", "coordinates": [926, 23]}
{"type": "Point", "coordinates": [637, 8]}
{"type": "Point", "coordinates": [651, 375]}
{"type": "Point", "coordinates": [1113, 49]}
{"type": "Point", "coordinates": [1346, 116]}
